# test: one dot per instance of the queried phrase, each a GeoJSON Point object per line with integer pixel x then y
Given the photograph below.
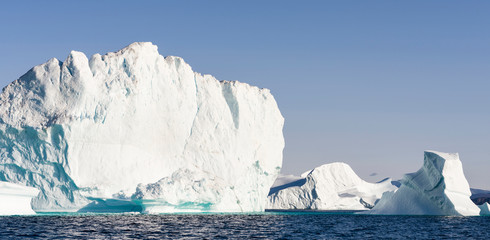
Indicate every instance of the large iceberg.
{"type": "Point", "coordinates": [16, 199]}
{"type": "Point", "coordinates": [136, 126]}
{"type": "Point", "coordinates": [333, 186]}
{"type": "Point", "coordinates": [438, 188]}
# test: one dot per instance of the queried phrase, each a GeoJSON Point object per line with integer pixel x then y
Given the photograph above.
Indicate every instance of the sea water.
{"type": "Point", "coordinates": [289, 225]}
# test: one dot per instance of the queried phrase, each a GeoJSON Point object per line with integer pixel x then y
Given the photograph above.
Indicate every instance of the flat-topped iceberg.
{"type": "Point", "coordinates": [333, 186]}
{"type": "Point", "coordinates": [16, 199]}
{"type": "Point", "coordinates": [88, 133]}
{"type": "Point", "coordinates": [438, 188]}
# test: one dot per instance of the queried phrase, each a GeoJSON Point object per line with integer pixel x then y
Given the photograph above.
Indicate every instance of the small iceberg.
{"type": "Point", "coordinates": [16, 199]}
{"type": "Point", "coordinates": [438, 188]}
{"type": "Point", "coordinates": [333, 186]}
{"type": "Point", "coordinates": [484, 209]}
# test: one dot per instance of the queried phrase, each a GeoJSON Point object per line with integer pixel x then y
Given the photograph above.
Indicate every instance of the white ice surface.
{"type": "Point", "coordinates": [282, 180]}
{"type": "Point", "coordinates": [333, 186]}
{"type": "Point", "coordinates": [16, 199]}
{"type": "Point", "coordinates": [438, 188]}
{"type": "Point", "coordinates": [99, 127]}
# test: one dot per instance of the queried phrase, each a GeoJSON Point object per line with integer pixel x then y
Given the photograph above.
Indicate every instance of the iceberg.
{"type": "Point", "coordinates": [16, 199]}
{"type": "Point", "coordinates": [438, 188]}
{"type": "Point", "coordinates": [131, 126]}
{"type": "Point", "coordinates": [333, 186]}
{"type": "Point", "coordinates": [484, 209]}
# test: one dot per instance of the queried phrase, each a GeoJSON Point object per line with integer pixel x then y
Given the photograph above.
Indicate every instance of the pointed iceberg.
{"type": "Point", "coordinates": [484, 209]}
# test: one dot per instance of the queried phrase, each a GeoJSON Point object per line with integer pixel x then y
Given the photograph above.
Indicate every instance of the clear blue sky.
{"type": "Point", "coordinates": [369, 83]}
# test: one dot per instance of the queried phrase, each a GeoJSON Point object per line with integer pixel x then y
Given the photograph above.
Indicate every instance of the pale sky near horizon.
{"type": "Point", "coordinates": [369, 83]}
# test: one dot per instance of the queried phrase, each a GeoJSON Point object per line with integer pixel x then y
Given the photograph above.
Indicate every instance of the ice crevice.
{"type": "Point", "coordinates": [195, 115]}
{"type": "Point", "coordinates": [231, 101]}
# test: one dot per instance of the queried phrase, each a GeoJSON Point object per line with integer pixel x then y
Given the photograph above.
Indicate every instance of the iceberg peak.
{"type": "Point", "coordinates": [443, 155]}
{"type": "Point", "coordinates": [139, 48]}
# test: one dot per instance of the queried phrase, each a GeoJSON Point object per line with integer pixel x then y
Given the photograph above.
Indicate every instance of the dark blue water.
{"type": "Point", "coordinates": [243, 226]}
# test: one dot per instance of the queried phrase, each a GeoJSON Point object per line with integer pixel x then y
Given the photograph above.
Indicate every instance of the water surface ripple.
{"type": "Point", "coordinates": [243, 226]}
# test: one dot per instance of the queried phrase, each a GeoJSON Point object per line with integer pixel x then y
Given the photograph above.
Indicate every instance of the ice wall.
{"type": "Point", "coordinates": [98, 128]}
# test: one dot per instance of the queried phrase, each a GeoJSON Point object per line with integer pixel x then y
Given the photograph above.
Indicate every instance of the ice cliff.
{"type": "Point", "coordinates": [438, 188]}
{"type": "Point", "coordinates": [137, 126]}
{"type": "Point", "coordinates": [16, 199]}
{"type": "Point", "coordinates": [333, 186]}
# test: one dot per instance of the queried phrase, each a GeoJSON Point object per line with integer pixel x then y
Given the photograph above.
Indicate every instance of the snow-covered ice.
{"type": "Point", "coordinates": [16, 199]}
{"type": "Point", "coordinates": [333, 186]}
{"type": "Point", "coordinates": [438, 188]}
{"type": "Point", "coordinates": [114, 126]}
